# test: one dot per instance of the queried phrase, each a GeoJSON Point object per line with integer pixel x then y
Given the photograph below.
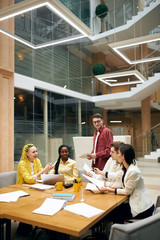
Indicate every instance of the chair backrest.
{"type": "Point", "coordinates": [158, 202]}
{"type": "Point", "coordinates": [157, 207]}
{"type": "Point", "coordinates": [8, 178]}
{"type": "Point", "coordinates": [145, 229]}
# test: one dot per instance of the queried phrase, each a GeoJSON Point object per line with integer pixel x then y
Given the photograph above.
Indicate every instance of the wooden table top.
{"type": "Point", "coordinates": [63, 221]}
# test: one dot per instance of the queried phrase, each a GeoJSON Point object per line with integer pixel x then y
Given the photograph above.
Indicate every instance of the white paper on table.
{"type": "Point", "coordinates": [39, 180]}
{"type": "Point", "coordinates": [92, 187]}
{"type": "Point", "coordinates": [84, 155]}
{"type": "Point", "coordinates": [83, 209]}
{"type": "Point", "coordinates": [98, 183]}
{"type": "Point", "coordinates": [39, 186]}
{"type": "Point", "coordinates": [12, 196]}
{"type": "Point", "coordinates": [5, 197]}
{"type": "Point", "coordinates": [50, 206]}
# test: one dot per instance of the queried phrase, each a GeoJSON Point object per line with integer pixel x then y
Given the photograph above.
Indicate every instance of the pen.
{"type": "Point", "coordinates": [93, 164]}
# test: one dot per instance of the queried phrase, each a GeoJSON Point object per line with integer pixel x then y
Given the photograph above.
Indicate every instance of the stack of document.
{"type": "Point", "coordinates": [83, 209]}
{"type": "Point", "coordinates": [51, 206]}
{"type": "Point", "coordinates": [12, 196]}
{"type": "Point", "coordinates": [65, 196]}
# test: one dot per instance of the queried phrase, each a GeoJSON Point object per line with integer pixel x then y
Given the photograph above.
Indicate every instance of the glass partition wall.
{"type": "Point", "coordinates": [64, 66]}
{"type": "Point", "coordinates": [45, 118]}
{"type": "Point", "coordinates": [118, 14]}
{"type": "Point", "coordinates": [48, 120]}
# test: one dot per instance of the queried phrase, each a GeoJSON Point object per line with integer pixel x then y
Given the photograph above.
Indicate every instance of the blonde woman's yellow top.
{"type": "Point", "coordinates": [24, 171]}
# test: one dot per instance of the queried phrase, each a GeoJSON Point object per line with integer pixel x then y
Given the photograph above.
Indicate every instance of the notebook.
{"type": "Point", "coordinates": [65, 196]}
{"type": "Point", "coordinates": [51, 179]}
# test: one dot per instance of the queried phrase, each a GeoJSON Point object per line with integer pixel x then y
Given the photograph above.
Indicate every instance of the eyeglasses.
{"type": "Point", "coordinates": [98, 121]}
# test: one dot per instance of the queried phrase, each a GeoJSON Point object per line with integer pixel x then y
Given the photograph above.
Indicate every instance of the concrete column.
{"type": "Point", "coordinates": [6, 94]}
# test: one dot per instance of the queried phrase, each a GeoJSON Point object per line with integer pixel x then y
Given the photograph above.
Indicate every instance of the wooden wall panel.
{"type": "Point", "coordinates": [6, 94]}
{"type": "Point", "coordinates": [6, 43]}
{"type": "Point", "coordinates": [6, 122]}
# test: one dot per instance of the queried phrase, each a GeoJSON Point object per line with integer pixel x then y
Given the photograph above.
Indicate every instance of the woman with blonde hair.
{"type": "Point", "coordinates": [30, 167]}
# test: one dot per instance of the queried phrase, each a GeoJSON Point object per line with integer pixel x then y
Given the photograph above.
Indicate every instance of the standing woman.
{"type": "Point", "coordinates": [140, 204]}
{"type": "Point", "coordinates": [29, 167]}
{"type": "Point", "coordinates": [65, 165]}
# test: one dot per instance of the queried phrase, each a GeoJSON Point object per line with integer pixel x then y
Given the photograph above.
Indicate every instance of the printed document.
{"type": "Point", "coordinates": [98, 183]}
{"type": "Point", "coordinates": [83, 209]}
{"type": "Point", "coordinates": [39, 186]}
{"type": "Point", "coordinates": [51, 206]}
{"type": "Point", "coordinates": [12, 196]}
{"type": "Point", "coordinates": [84, 155]}
{"type": "Point", "coordinates": [87, 168]}
{"type": "Point", "coordinates": [92, 187]}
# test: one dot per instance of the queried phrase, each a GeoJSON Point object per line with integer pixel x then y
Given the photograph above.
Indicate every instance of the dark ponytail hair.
{"type": "Point", "coordinates": [58, 161]}
{"type": "Point", "coordinates": [128, 152]}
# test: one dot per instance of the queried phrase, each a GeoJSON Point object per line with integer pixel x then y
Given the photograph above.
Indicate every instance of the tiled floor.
{"type": "Point", "coordinates": [151, 175]}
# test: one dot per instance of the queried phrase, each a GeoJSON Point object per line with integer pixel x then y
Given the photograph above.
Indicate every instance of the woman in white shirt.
{"type": "Point", "coordinates": [112, 172]}
{"type": "Point", "coordinates": [140, 204]}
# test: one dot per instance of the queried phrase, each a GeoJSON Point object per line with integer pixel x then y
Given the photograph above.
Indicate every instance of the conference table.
{"type": "Point", "coordinates": [64, 221]}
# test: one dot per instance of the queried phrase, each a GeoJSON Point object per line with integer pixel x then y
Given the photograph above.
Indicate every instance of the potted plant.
{"type": "Point", "coordinates": [101, 11]}
{"type": "Point", "coordinates": [99, 69]}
